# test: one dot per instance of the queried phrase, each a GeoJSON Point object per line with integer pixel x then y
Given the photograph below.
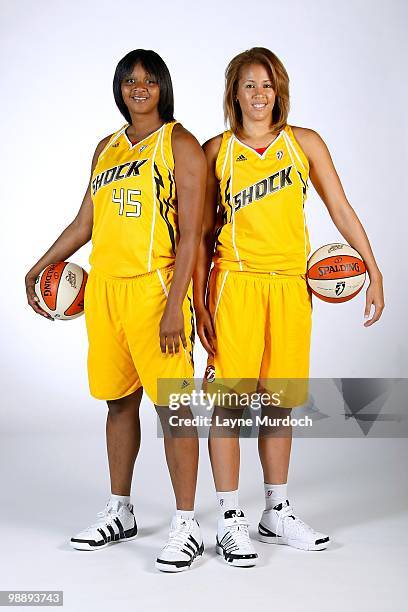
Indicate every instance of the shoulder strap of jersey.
{"type": "Point", "coordinates": [297, 150]}
{"type": "Point", "coordinates": [165, 145]}
{"type": "Point", "coordinates": [222, 155]}
{"type": "Point", "coordinates": [112, 139]}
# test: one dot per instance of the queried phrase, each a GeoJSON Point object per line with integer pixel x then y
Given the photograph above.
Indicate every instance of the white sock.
{"type": "Point", "coordinates": [123, 499]}
{"type": "Point", "coordinates": [227, 500]}
{"type": "Point", "coordinates": [275, 494]}
{"type": "Point", "coordinates": [185, 514]}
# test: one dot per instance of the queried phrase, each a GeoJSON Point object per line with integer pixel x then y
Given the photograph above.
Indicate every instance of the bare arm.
{"type": "Point", "coordinates": [327, 184]}
{"type": "Point", "coordinates": [74, 236]}
{"type": "Point", "coordinates": [190, 169]}
{"type": "Point", "coordinates": [205, 327]}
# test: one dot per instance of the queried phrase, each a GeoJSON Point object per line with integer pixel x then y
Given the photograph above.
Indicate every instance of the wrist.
{"type": "Point", "coordinates": [199, 306]}
{"type": "Point", "coordinates": [173, 304]}
{"type": "Point", "coordinates": [375, 275]}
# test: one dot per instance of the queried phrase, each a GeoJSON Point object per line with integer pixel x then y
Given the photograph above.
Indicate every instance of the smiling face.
{"type": "Point", "coordinates": [255, 93]}
{"type": "Point", "coordinates": [140, 91]}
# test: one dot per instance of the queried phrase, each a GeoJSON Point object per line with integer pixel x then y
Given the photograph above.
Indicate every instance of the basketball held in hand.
{"type": "Point", "coordinates": [60, 289]}
{"type": "Point", "coordinates": [336, 273]}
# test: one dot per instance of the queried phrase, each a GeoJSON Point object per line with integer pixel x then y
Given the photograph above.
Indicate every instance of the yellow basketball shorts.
{"type": "Point", "coordinates": [263, 328]}
{"type": "Point", "coordinates": [122, 319]}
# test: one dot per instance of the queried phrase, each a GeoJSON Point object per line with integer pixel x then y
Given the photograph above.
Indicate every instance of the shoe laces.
{"type": "Point", "coordinates": [239, 530]}
{"type": "Point", "coordinates": [179, 534]}
{"type": "Point", "coordinates": [106, 516]}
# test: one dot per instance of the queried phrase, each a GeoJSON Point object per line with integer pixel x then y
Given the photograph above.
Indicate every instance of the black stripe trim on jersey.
{"type": "Point", "coordinates": [192, 334]}
{"type": "Point", "coordinates": [304, 183]}
{"type": "Point", "coordinates": [165, 204]}
{"type": "Point", "coordinates": [227, 199]}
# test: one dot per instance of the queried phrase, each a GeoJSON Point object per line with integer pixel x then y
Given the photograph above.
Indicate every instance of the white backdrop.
{"type": "Point", "coordinates": [347, 64]}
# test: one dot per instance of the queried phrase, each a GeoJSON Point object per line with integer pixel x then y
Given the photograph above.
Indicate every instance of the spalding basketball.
{"type": "Point", "coordinates": [336, 273]}
{"type": "Point", "coordinates": [60, 289]}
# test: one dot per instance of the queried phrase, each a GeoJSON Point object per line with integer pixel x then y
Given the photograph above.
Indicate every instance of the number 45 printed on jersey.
{"type": "Point", "coordinates": [128, 205]}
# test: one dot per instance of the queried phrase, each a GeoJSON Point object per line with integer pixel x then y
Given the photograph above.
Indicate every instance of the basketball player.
{"type": "Point", "coordinates": [256, 322]}
{"type": "Point", "coordinates": [143, 210]}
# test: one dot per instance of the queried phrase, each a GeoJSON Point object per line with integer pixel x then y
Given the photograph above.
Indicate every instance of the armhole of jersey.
{"type": "Point", "coordinates": [221, 156]}
{"type": "Point", "coordinates": [166, 146]}
{"type": "Point", "coordinates": [298, 149]}
{"type": "Point", "coordinates": [112, 139]}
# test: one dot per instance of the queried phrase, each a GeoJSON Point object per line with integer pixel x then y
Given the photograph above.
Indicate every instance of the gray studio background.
{"type": "Point", "coordinates": [346, 61]}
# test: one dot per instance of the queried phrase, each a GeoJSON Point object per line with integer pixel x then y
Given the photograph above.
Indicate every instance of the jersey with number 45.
{"type": "Point", "coordinates": [135, 227]}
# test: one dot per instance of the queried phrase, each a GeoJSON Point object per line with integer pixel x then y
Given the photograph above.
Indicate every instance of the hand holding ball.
{"type": "Point", "coordinates": [336, 273]}
{"type": "Point", "coordinates": [60, 289]}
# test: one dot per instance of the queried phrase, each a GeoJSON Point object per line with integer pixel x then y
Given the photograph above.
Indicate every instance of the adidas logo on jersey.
{"type": "Point", "coordinates": [115, 145]}
{"type": "Point", "coordinates": [241, 158]}
{"type": "Point", "coordinates": [279, 154]}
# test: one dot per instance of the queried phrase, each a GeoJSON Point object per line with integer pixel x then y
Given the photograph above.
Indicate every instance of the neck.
{"type": "Point", "coordinates": [256, 130]}
{"type": "Point", "coordinates": [143, 125]}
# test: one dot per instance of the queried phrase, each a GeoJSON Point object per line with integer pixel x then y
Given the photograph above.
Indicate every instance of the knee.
{"type": "Point", "coordinates": [125, 406]}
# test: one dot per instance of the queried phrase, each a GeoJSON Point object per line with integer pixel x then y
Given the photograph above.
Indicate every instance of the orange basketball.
{"type": "Point", "coordinates": [60, 289]}
{"type": "Point", "coordinates": [336, 273]}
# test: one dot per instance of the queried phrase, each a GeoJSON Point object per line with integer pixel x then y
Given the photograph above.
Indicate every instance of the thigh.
{"type": "Point", "coordinates": [287, 351]}
{"type": "Point", "coordinates": [146, 304]}
{"type": "Point", "coordinates": [237, 303]}
{"type": "Point", "coordinates": [111, 371]}
{"type": "Point", "coordinates": [289, 332]}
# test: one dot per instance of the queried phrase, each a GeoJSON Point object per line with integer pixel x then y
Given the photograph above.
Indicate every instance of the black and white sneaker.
{"type": "Point", "coordinates": [233, 541]}
{"type": "Point", "coordinates": [116, 523]}
{"type": "Point", "coordinates": [280, 525]}
{"type": "Point", "coordinates": [184, 546]}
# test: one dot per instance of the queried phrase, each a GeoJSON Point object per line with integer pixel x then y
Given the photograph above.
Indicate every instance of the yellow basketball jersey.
{"type": "Point", "coordinates": [135, 227]}
{"type": "Point", "coordinates": [262, 224]}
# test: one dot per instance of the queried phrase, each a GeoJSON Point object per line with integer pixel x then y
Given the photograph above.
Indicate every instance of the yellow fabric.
{"type": "Point", "coordinates": [263, 328]}
{"type": "Point", "coordinates": [122, 318]}
{"type": "Point", "coordinates": [135, 208]}
{"type": "Point", "coordinates": [262, 226]}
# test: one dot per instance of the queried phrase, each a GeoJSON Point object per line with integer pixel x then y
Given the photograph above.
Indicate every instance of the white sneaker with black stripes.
{"type": "Point", "coordinates": [184, 546]}
{"type": "Point", "coordinates": [116, 523]}
{"type": "Point", "coordinates": [280, 525]}
{"type": "Point", "coordinates": [233, 541]}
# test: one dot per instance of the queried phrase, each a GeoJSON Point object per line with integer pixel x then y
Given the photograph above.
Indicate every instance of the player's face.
{"type": "Point", "coordinates": [255, 94]}
{"type": "Point", "coordinates": [140, 91]}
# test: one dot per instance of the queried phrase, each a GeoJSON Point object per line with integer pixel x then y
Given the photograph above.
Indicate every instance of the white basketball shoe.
{"type": "Point", "coordinates": [280, 525]}
{"type": "Point", "coordinates": [233, 541]}
{"type": "Point", "coordinates": [116, 523]}
{"type": "Point", "coordinates": [184, 546]}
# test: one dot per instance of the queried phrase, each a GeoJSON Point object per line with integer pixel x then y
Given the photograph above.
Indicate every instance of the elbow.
{"type": "Point", "coordinates": [82, 231]}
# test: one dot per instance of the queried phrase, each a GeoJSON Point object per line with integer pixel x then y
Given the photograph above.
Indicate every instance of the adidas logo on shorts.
{"type": "Point", "coordinates": [241, 158]}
